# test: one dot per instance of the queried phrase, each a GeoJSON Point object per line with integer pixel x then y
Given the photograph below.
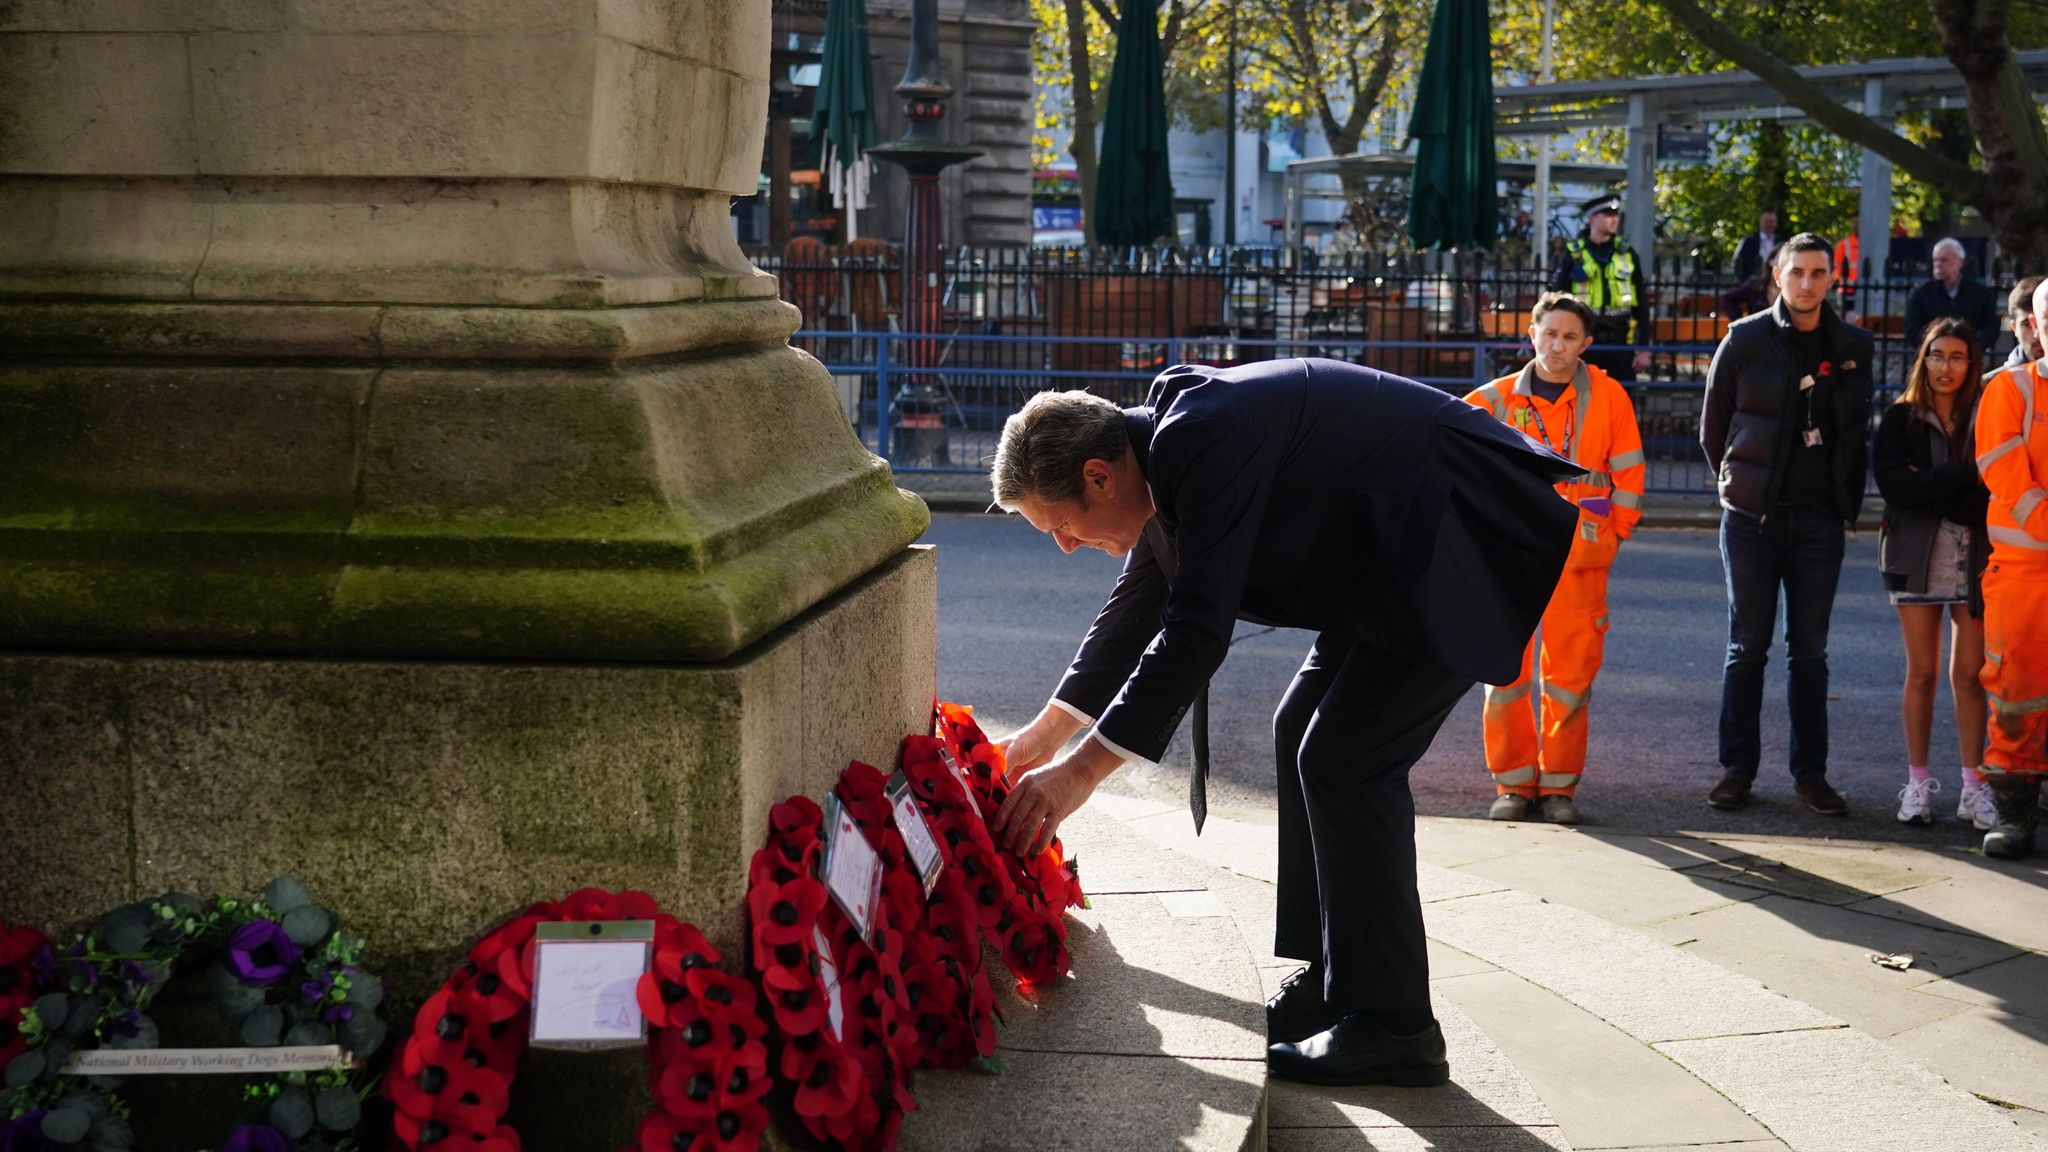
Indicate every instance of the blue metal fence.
{"type": "Point", "coordinates": [946, 420]}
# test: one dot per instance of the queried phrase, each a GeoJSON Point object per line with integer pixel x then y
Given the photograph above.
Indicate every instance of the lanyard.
{"type": "Point", "coordinates": [1570, 425]}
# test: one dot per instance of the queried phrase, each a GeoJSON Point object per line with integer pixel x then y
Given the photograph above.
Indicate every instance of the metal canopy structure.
{"type": "Point", "coordinates": [1399, 165]}
{"type": "Point", "coordinates": [1880, 89]}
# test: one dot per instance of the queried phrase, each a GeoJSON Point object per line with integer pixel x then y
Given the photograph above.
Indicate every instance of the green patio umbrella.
{"type": "Point", "coordinates": [1453, 201]}
{"type": "Point", "coordinates": [843, 121]}
{"type": "Point", "coordinates": [1133, 189]}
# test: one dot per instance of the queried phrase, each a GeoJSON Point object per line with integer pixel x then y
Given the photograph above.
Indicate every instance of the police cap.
{"type": "Point", "coordinates": [1605, 202]}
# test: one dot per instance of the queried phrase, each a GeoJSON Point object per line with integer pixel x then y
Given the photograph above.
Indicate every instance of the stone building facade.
{"type": "Point", "coordinates": [987, 49]}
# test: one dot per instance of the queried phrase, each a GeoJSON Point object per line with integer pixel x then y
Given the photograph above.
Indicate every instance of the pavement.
{"type": "Point", "coordinates": [1665, 977]}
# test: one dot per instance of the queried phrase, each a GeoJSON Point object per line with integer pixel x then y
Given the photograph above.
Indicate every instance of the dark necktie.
{"type": "Point", "coordinates": [1198, 776]}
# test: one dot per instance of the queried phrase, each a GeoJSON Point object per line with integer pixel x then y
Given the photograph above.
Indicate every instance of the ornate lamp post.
{"type": "Point", "coordinates": [923, 155]}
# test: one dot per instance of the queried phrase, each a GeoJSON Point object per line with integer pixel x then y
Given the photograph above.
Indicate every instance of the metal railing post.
{"type": "Point", "coordinates": [885, 394]}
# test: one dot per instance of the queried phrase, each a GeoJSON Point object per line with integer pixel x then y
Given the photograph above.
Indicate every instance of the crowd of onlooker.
{"type": "Point", "coordinates": [1961, 460]}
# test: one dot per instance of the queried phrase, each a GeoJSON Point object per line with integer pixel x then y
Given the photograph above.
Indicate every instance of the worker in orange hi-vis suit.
{"type": "Point", "coordinates": [2012, 455]}
{"type": "Point", "coordinates": [1581, 413]}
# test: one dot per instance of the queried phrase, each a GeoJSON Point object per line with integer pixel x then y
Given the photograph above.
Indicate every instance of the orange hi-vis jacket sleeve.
{"type": "Point", "coordinates": [2012, 456]}
{"type": "Point", "coordinates": [1593, 425]}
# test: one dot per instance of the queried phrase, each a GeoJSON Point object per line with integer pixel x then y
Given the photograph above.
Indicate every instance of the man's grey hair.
{"type": "Point", "coordinates": [1045, 444]}
{"type": "Point", "coordinates": [1952, 245]}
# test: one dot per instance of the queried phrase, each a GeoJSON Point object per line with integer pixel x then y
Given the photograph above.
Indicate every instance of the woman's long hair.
{"type": "Point", "coordinates": [1920, 393]}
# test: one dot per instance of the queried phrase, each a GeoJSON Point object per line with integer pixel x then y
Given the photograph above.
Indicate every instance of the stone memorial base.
{"type": "Point", "coordinates": [425, 800]}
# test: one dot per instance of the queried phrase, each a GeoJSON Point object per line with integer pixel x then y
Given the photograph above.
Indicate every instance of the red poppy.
{"type": "Point", "coordinates": [795, 814]}
{"type": "Point", "coordinates": [799, 1011]}
{"type": "Point", "coordinates": [502, 1140]}
{"type": "Point", "coordinates": [448, 1025]}
{"type": "Point", "coordinates": [18, 945]}
{"type": "Point", "coordinates": [783, 913]}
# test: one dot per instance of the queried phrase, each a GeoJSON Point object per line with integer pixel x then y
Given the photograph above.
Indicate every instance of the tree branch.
{"type": "Point", "coordinates": [1954, 179]}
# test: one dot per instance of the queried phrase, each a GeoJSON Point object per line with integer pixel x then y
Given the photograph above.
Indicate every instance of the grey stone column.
{"type": "Point", "coordinates": [404, 479]}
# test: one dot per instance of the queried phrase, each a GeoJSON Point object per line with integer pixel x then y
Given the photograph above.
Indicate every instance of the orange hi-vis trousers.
{"type": "Point", "coordinates": [2015, 674]}
{"type": "Point", "coordinates": [2012, 456]}
{"type": "Point", "coordinates": [1572, 641]}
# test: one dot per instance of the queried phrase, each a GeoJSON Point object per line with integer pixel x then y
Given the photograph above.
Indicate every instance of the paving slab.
{"type": "Point", "coordinates": [1986, 1052]}
{"type": "Point", "coordinates": [2009, 905]}
{"type": "Point", "coordinates": [1737, 1146]}
{"type": "Point", "coordinates": [1818, 877]}
{"type": "Point", "coordinates": [1651, 849]}
{"type": "Point", "coordinates": [1821, 955]}
{"type": "Point", "coordinates": [1615, 892]}
{"type": "Point", "coordinates": [1619, 975]}
{"type": "Point", "coordinates": [1168, 1104]}
{"type": "Point", "coordinates": [1450, 843]}
{"type": "Point", "coordinates": [1112, 859]}
{"type": "Point", "coordinates": [1243, 848]}
{"type": "Point", "coordinates": [1145, 983]}
{"type": "Point", "coordinates": [1819, 1091]}
{"type": "Point", "coordinates": [1434, 884]}
{"type": "Point", "coordinates": [2017, 987]}
{"type": "Point", "coordinates": [2032, 1121]}
{"type": "Point", "coordinates": [1485, 1091]}
{"type": "Point", "coordinates": [1482, 1139]}
{"type": "Point", "coordinates": [1576, 1062]}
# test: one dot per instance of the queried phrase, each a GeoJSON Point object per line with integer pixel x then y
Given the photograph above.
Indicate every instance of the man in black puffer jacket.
{"type": "Point", "coordinates": [1786, 427]}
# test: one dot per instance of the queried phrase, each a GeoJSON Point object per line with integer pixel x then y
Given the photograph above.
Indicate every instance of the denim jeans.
{"type": "Point", "coordinates": [1799, 547]}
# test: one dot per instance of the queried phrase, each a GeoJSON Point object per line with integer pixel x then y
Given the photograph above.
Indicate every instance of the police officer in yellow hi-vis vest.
{"type": "Point", "coordinates": [1606, 275]}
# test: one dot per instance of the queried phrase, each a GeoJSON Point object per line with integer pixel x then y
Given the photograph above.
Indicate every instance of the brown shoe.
{"type": "Point", "coordinates": [1731, 793]}
{"type": "Point", "coordinates": [1817, 795]}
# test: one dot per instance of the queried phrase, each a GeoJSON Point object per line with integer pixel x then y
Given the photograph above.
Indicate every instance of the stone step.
{"type": "Point", "coordinates": [1627, 1040]}
{"type": "Point", "coordinates": [1157, 1040]}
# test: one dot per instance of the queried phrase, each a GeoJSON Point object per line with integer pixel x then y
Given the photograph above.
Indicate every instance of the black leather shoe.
{"type": "Point", "coordinates": [1817, 795]}
{"type": "Point", "coordinates": [1356, 1050]}
{"type": "Point", "coordinates": [1298, 1010]}
{"type": "Point", "coordinates": [1731, 793]}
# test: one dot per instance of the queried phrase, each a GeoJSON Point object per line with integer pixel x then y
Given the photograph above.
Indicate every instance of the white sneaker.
{"type": "Point", "coordinates": [1916, 803]}
{"type": "Point", "coordinates": [1976, 807]}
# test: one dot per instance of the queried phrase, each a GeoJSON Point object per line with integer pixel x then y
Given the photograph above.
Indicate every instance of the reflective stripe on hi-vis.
{"type": "Point", "coordinates": [1988, 458]}
{"type": "Point", "coordinates": [1567, 697]}
{"type": "Point", "coordinates": [1596, 480]}
{"type": "Point", "coordinates": [2018, 707]}
{"type": "Point", "coordinates": [1993, 657]}
{"type": "Point", "coordinates": [2002, 535]}
{"type": "Point", "coordinates": [1493, 401]}
{"type": "Point", "coordinates": [1599, 621]}
{"type": "Point", "coordinates": [1626, 499]}
{"type": "Point", "coordinates": [2025, 505]}
{"type": "Point", "coordinates": [1526, 774]}
{"type": "Point", "coordinates": [1495, 697]}
{"type": "Point", "coordinates": [1626, 460]}
{"type": "Point", "coordinates": [1557, 779]}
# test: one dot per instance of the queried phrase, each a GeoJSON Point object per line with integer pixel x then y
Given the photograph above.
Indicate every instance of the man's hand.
{"type": "Point", "coordinates": [1642, 360]}
{"type": "Point", "coordinates": [1042, 798]}
{"type": "Point", "coordinates": [1036, 743]}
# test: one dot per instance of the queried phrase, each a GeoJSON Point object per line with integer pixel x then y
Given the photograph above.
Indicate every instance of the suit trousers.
{"type": "Point", "coordinates": [1351, 725]}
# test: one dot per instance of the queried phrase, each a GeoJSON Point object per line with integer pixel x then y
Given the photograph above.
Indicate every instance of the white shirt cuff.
{"type": "Point", "coordinates": [1070, 710]}
{"type": "Point", "coordinates": [1127, 756]}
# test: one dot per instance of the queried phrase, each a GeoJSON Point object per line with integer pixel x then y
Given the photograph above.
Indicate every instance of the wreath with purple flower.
{"type": "Point", "coordinates": [281, 972]}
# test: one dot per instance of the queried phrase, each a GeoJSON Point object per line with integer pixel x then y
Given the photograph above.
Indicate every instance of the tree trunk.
{"type": "Point", "coordinates": [1082, 89]}
{"type": "Point", "coordinates": [1774, 170]}
{"type": "Point", "coordinates": [2006, 121]}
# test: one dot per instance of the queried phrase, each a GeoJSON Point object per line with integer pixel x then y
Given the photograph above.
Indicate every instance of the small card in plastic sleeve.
{"type": "Point", "coordinates": [828, 979]}
{"type": "Point", "coordinates": [953, 765]}
{"type": "Point", "coordinates": [917, 835]}
{"type": "Point", "coordinates": [853, 870]}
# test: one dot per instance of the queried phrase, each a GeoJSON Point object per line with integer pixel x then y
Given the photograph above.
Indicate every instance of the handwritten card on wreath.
{"type": "Point", "coordinates": [917, 835]}
{"type": "Point", "coordinates": [952, 764]}
{"type": "Point", "coordinates": [585, 980]}
{"type": "Point", "coordinates": [853, 870]}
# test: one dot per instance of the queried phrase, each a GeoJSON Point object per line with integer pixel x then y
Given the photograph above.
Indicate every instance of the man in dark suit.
{"type": "Point", "coordinates": [1758, 247]}
{"type": "Point", "coordinates": [1950, 293]}
{"type": "Point", "coordinates": [1417, 536]}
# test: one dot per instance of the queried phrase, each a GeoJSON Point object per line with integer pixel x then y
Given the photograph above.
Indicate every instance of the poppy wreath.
{"type": "Point", "coordinates": [282, 972]}
{"type": "Point", "coordinates": [851, 1084]}
{"type": "Point", "coordinates": [707, 1065]}
{"type": "Point", "coordinates": [1032, 936]}
{"type": "Point", "coordinates": [23, 949]}
{"type": "Point", "coordinates": [973, 896]}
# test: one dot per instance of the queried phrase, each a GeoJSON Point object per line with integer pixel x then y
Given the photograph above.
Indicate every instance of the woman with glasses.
{"type": "Point", "coordinates": [1932, 552]}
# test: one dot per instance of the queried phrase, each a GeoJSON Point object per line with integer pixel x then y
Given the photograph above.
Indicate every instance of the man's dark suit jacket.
{"type": "Point", "coordinates": [1974, 301]}
{"type": "Point", "coordinates": [1749, 254]}
{"type": "Point", "coordinates": [1320, 495]}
